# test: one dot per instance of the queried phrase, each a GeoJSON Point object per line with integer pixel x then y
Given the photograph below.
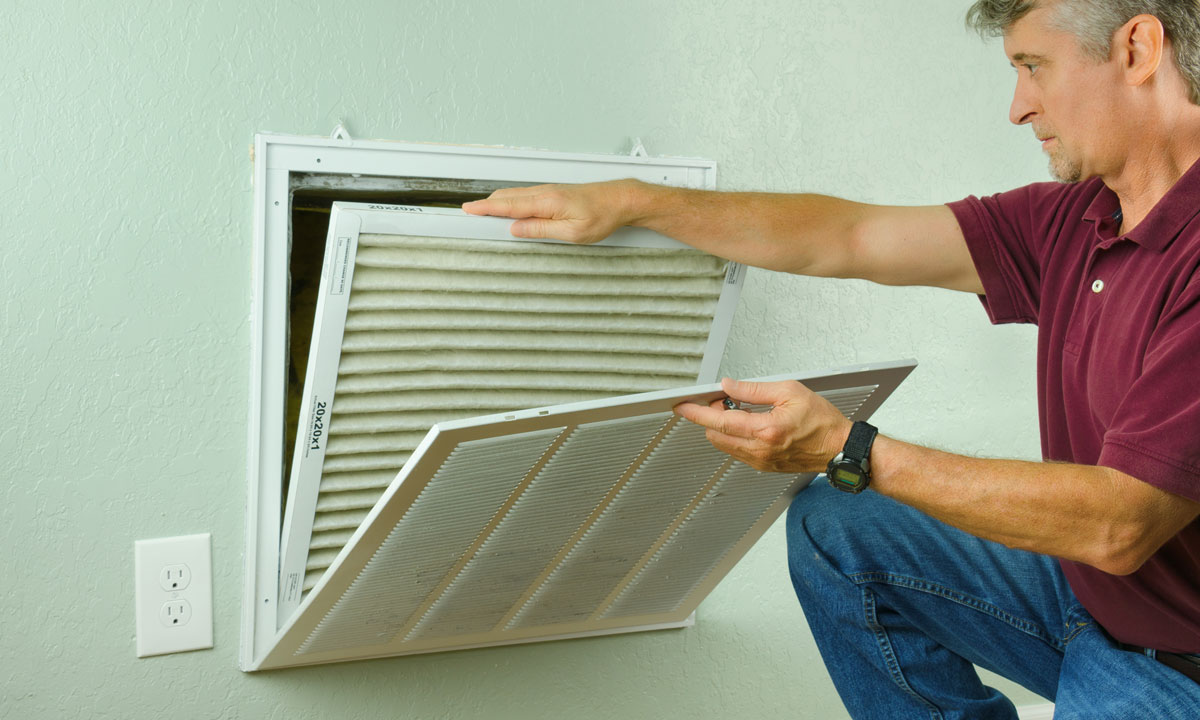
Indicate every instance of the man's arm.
{"type": "Point", "coordinates": [1094, 515]}
{"type": "Point", "coordinates": [804, 234]}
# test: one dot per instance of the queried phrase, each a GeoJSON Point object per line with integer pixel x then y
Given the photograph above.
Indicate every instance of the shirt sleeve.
{"type": "Point", "coordinates": [1155, 434]}
{"type": "Point", "coordinates": [1007, 235]}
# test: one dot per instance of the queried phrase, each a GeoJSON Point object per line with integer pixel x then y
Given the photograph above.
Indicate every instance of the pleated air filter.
{"type": "Point", "coordinates": [427, 315]}
{"type": "Point", "coordinates": [591, 518]}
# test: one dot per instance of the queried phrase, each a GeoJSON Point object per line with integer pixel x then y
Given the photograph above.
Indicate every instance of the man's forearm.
{"type": "Point", "coordinates": [1094, 515]}
{"type": "Point", "coordinates": [803, 234]}
{"type": "Point", "coordinates": [812, 234]}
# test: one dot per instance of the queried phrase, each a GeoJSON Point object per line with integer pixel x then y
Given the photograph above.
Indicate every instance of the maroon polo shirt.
{"type": "Point", "coordinates": [1118, 321]}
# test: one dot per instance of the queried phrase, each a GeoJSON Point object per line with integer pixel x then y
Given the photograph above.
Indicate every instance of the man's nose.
{"type": "Point", "coordinates": [1023, 106]}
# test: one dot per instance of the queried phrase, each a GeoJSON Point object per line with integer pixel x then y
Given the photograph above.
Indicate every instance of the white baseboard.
{"type": "Point", "coordinates": [1036, 712]}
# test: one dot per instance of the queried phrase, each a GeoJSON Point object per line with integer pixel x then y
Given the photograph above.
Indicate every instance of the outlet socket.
{"type": "Point", "coordinates": [173, 594]}
{"type": "Point", "coordinates": [175, 613]}
{"type": "Point", "coordinates": [174, 578]}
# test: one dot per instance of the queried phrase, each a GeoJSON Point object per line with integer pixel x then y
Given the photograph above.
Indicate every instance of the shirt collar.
{"type": "Point", "coordinates": [1166, 219]}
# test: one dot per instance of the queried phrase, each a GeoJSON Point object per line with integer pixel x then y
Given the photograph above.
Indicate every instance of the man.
{"type": "Point", "coordinates": [1078, 577]}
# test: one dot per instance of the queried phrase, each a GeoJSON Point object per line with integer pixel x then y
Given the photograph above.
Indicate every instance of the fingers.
{"type": "Point", "coordinates": [759, 393]}
{"type": "Point", "coordinates": [517, 205]}
{"type": "Point", "coordinates": [540, 228]}
{"type": "Point", "coordinates": [480, 207]}
{"type": "Point", "coordinates": [749, 450]}
{"type": "Point", "coordinates": [581, 213]}
{"type": "Point", "coordinates": [727, 422]}
{"type": "Point", "coordinates": [474, 207]}
{"type": "Point", "coordinates": [795, 437]}
{"type": "Point", "coordinates": [736, 447]}
{"type": "Point", "coordinates": [541, 211]}
{"type": "Point", "coordinates": [727, 430]}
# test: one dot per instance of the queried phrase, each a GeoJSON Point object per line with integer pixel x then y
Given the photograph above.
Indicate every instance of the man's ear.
{"type": "Point", "coordinates": [1139, 46]}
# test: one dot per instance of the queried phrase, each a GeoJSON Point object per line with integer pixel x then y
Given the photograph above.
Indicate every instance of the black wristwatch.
{"type": "Point", "coordinates": [850, 471]}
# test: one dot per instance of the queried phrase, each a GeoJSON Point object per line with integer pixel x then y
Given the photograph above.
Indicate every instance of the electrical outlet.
{"type": "Point", "coordinates": [173, 594]}
{"type": "Point", "coordinates": [174, 578]}
{"type": "Point", "coordinates": [175, 612]}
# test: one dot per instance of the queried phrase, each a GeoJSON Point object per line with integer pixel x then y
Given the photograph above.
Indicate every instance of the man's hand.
{"type": "Point", "coordinates": [801, 433]}
{"type": "Point", "coordinates": [581, 214]}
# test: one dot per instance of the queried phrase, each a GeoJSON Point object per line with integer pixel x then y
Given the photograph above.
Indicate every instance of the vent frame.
{"type": "Point", "coordinates": [283, 162]}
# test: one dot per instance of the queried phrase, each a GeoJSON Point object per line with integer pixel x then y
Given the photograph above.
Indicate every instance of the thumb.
{"type": "Point", "coordinates": [758, 393]}
{"type": "Point", "coordinates": [534, 228]}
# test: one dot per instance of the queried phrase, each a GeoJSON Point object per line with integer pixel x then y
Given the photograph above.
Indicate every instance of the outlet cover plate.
{"type": "Point", "coordinates": [151, 558]}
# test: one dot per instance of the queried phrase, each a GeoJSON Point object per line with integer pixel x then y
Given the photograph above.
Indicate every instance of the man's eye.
{"type": "Point", "coordinates": [1032, 68]}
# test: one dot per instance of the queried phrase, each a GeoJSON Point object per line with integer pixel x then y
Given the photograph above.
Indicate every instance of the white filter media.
{"type": "Point", "coordinates": [440, 329]}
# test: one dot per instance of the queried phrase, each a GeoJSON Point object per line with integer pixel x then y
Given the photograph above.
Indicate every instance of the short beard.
{"type": "Point", "coordinates": [1065, 170]}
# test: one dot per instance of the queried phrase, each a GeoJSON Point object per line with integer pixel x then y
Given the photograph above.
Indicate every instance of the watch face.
{"type": "Point", "coordinates": [847, 476]}
{"type": "Point", "coordinates": [843, 475]}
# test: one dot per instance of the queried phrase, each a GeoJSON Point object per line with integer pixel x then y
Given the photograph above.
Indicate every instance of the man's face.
{"type": "Point", "coordinates": [1068, 98]}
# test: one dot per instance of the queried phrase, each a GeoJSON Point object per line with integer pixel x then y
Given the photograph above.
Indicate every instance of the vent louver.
{"type": "Point", "coordinates": [556, 522]}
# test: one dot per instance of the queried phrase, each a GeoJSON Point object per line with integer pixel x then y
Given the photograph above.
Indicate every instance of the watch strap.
{"type": "Point", "coordinates": [858, 445]}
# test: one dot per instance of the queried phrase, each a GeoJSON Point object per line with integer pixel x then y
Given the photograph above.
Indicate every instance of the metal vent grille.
{"type": "Point", "coordinates": [701, 541]}
{"type": "Point", "coordinates": [659, 491]}
{"type": "Point", "coordinates": [432, 535]}
{"type": "Point", "coordinates": [440, 329]}
{"type": "Point", "coordinates": [850, 400]}
{"type": "Point", "coordinates": [571, 520]}
{"type": "Point", "coordinates": [593, 517]}
{"type": "Point", "coordinates": [540, 524]}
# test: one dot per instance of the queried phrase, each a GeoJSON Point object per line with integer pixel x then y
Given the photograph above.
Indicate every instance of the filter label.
{"type": "Point", "coordinates": [341, 264]}
{"type": "Point", "coordinates": [316, 426]}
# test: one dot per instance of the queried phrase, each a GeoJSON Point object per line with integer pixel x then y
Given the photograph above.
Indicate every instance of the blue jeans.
{"type": "Point", "coordinates": [901, 606]}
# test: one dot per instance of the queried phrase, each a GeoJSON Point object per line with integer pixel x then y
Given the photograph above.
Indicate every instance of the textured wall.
{"type": "Point", "coordinates": [126, 263]}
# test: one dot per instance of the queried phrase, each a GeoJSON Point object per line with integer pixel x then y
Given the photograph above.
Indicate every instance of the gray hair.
{"type": "Point", "coordinates": [1093, 23]}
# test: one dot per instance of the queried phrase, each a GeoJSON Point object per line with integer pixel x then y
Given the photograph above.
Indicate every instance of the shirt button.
{"type": "Point", "coordinates": [1097, 286]}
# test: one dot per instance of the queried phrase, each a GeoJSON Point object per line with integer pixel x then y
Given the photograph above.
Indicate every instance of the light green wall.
{"type": "Point", "coordinates": [126, 336]}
